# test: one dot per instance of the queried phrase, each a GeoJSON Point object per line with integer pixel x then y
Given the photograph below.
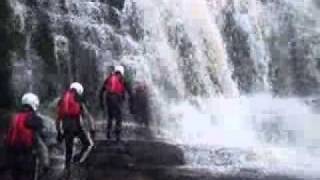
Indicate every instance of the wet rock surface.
{"type": "Point", "coordinates": [135, 153]}
{"type": "Point", "coordinates": [142, 157]}
{"type": "Point", "coordinates": [119, 4]}
{"type": "Point", "coordinates": [145, 160]}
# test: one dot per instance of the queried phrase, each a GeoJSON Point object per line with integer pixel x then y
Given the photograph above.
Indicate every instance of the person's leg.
{"type": "Point", "coordinates": [110, 122]}
{"type": "Point", "coordinates": [69, 137]}
{"type": "Point", "coordinates": [42, 153]}
{"type": "Point", "coordinates": [87, 145]}
{"type": "Point", "coordinates": [25, 166]}
{"type": "Point", "coordinates": [118, 117]}
{"type": "Point", "coordinates": [111, 103]}
{"type": "Point", "coordinates": [70, 127]}
{"type": "Point", "coordinates": [118, 128]}
{"type": "Point", "coordinates": [31, 170]}
{"type": "Point", "coordinates": [13, 164]}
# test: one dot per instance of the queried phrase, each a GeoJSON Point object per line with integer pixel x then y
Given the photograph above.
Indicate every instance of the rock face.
{"type": "Point", "coordinates": [6, 43]}
{"type": "Point", "coordinates": [53, 43]}
{"type": "Point", "coordinates": [115, 3]}
{"type": "Point", "coordinates": [4, 119]}
{"type": "Point", "coordinates": [141, 153]}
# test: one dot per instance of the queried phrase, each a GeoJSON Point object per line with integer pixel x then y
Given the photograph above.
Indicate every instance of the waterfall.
{"type": "Point", "coordinates": [217, 69]}
{"type": "Point", "coordinates": [229, 73]}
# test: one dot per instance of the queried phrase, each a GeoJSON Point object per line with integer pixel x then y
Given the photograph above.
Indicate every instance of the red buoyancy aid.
{"type": "Point", "coordinates": [69, 106]}
{"type": "Point", "coordinates": [19, 135]}
{"type": "Point", "coordinates": [115, 84]}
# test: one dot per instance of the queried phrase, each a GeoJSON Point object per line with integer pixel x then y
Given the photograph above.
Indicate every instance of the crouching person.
{"type": "Point", "coordinates": [69, 124]}
{"type": "Point", "coordinates": [24, 143]}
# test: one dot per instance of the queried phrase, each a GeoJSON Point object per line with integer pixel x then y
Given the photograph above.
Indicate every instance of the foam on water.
{"type": "Point", "coordinates": [278, 135]}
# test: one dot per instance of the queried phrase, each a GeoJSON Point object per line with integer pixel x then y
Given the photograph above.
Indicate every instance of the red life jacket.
{"type": "Point", "coordinates": [114, 84]}
{"type": "Point", "coordinates": [19, 135]}
{"type": "Point", "coordinates": [69, 106]}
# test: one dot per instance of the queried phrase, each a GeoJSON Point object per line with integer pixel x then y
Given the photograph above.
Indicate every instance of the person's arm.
{"type": "Point", "coordinates": [35, 123]}
{"type": "Point", "coordinates": [101, 94]}
{"type": "Point", "coordinates": [59, 124]}
{"type": "Point", "coordinates": [59, 117]}
{"type": "Point", "coordinates": [101, 97]}
{"type": "Point", "coordinates": [89, 118]}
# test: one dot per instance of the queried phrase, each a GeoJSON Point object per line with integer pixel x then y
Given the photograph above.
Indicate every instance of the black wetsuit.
{"type": "Point", "coordinates": [114, 104]}
{"type": "Point", "coordinates": [72, 129]}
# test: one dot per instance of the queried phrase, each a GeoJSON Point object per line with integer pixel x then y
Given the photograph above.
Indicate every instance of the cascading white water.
{"type": "Point", "coordinates": [279, 131]}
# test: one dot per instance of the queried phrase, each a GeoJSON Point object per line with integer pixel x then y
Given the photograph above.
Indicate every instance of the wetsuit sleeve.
{"type": "Point", "coordinates": [59, 116]}
{"type": "Point", "coordinates": [80, 99]}
{"type": "Point", "coordinates": [88, 117]}
{"type": "Point", "coordinates": [102, 91]}
{"type": "Point", "coordinates": [35, 123]}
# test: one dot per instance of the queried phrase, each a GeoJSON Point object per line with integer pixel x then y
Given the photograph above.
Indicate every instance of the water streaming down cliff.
{"type": "Point", "coordinates": [224, 73]}
{"type": "Point", "coordinates": [215, 68]}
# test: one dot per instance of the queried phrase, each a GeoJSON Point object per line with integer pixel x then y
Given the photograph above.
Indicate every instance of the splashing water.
{"type": "Point", "coordinates": [274, 130]}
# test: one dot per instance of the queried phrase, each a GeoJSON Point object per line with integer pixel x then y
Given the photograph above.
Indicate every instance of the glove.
{"type": "Point", "coordinates": [59, 137]}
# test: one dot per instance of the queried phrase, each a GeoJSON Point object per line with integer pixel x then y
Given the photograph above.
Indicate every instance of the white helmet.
{"type": "Point", "coordinates": [30, 99]}
{"type": "Point", "coordinates": [78, 87]}
{"type": "Point", "coordinates": [120, 69]}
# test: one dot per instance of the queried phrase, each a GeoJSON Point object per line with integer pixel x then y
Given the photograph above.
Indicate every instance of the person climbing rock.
{"type": "Point", "coordinates": [112, 94]}
{"type": "Point", "coordinates": [73, 115]}
{"type": "Point", "coordinates": [140, 105]}
{"type": "Point", "coordinates": [24, 141]}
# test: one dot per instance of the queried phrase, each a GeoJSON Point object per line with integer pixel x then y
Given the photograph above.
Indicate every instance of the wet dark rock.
{"type": "Point", "coordinates": [306, 82]}
{"type": "Point", "coordinates": [111, 154]}
{"type": "Point", "coordinates": [2, 158]}
{"type": "Point", "coordinates": [5, 46]}
{"type": "Point", "coordinates": [43, 42]}
{"type": "Point", "coordinates": [4, 119]}
{"type": "Point", "coordinates": [238, 48]}
{"type": "Point", "coordinates": [317, 3]}
{"type": "Point", "coordinates": [119, 4]}
{"type": "Point", "coordinates": [143, 160]}
{"type": "Point", "coordinates": [180, 40]}
{"type": "Point", "coordinates": [4, 122]}
{"type": "Point", "coordinates": [116, 7]}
